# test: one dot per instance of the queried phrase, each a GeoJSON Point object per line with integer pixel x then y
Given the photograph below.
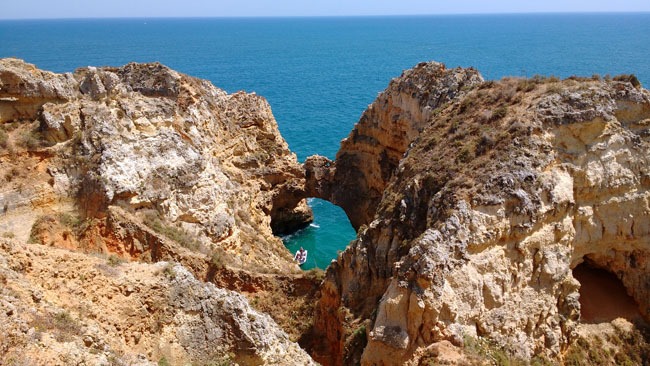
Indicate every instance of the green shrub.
{"type": "Point", "coordinates": [484, 349]}
{"type": "Point", "coordinates": [30, 139]}
{"type": "Point", "coordinates": [499, 113]}
{"type": "Point", "coordinates": [114, 260]}
{"type": "Point", "coordinates": [169, 271]}
{"type": "Point", "coordinates": [467, 153]}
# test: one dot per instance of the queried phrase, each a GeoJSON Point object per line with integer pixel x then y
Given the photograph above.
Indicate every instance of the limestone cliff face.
{"type": "Point", "coordinates": [369, 155]}
{"type": "Point", "coordinates": [66, 308]}
{"type": "Point", "coordinates": [506, 189]}
{"type": "Point", "coordinates": [143, 164]}
{"type": "Point", "coordinates": [178, 153]}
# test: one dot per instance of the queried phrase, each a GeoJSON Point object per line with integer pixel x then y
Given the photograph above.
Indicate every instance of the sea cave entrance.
{"type": "Point", "coordinates": [330, 233]}
{"type": "Point", "coordinates": [603, 297]}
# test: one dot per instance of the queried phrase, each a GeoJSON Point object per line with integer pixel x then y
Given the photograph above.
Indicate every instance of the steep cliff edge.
{"type": "Point", "coordinates": [178, 153]}
{"type": "Point", "coordinates": [506, 189]}
{"type": "Point", "coordinates": [142, 163]}
{"type": "Point", "coordinates": [367, 159]}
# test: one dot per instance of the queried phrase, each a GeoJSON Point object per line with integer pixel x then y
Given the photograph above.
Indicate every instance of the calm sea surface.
{"type": "Point", "coordinates": [319, 74]}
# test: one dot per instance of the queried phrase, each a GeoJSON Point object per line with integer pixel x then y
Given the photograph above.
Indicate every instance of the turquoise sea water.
{"type": "Point", "coordinates": [319, 74]}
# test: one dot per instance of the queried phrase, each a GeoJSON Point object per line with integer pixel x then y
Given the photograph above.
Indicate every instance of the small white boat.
{"type": "Point", "coordinates": [301, 257]}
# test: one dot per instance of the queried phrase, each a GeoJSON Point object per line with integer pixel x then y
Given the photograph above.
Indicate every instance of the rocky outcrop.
{"type": "Point", "coordinates": [503, 192]}
{"type": "Point", "coordinates": [368, 157]}
{"type": "Point", "coordinates": [173, 150]}
{"type": "Point", "coordinates": [63, 308]}
{"type": "Point", "coordinates": [141, 163]}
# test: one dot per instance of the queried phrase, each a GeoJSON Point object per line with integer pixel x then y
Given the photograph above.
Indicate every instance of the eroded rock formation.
{"type": "Point", "coordinates": [65, 308]}
{"type": "Point", "coordinates": [142, 163]}
{"type": "Point", "coordinates": [367, 159]}
{"type": "Point", "coordinates": [145, 137]}
{"type": "Point", "coordinates": [505, 190]}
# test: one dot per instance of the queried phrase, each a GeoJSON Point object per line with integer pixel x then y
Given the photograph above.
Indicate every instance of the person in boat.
{"type": "Point", "coordinates": [300, 255]}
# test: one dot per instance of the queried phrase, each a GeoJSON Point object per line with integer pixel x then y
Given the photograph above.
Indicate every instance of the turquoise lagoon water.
{"type": "Point", "coordinates": [319, 74]}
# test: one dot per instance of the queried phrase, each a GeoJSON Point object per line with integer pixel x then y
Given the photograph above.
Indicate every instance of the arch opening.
{"type": "Point", "coordinates": [329, 233]}
{"type": "Point", "coordinates": [603, 296]}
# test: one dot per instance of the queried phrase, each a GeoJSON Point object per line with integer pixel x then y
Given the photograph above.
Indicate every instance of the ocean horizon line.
{"type": "Point", "coordinates": [352, 16]}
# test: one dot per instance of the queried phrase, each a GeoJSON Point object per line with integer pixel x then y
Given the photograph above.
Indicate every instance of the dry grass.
{"type": "Point", "coordinates": [62, 325]}
{"type": "Point", "coordinates": [617, 348]}
{"type": "Point", "coordinates": [177, 234]}
{"type": "Point", "coordinates": [4, 139]}
{"type": "Point", "coordinates": [293, 313]}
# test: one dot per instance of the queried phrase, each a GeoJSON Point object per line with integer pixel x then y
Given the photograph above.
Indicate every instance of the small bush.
{"type": "Point", "coordinates": [36, 227]}
{"type": "Point", "coordinates": [553, 89]}
{"type": "Point", "coordinates": [315, 274]}
{"type": "Point", "coordinates": [526, 85]}
{"type": "Point", "coordinates": [114, 260]}
{"type": "Point", "coordinates": [630, 78]}
{"type": "Point", "coordinates": [499, 113]}
{"type": "Point", "coordinates": [485, 143]}
{"type": "Point", "coordinates": [482, 349]}
{"type": "Point", "coordinates": [453, 126]}
{"type": "Point", "coordinates": [8, 235]}
{"type": "Point", "coordinates": [4, 139]}
{"type": "Point", "coordinates": [13, 173]}
{"type": "Point", "coordinates": [30, 140]}
{"type": "Point", "coordinates": [467, 152]}
{"type": "Point", "coordinates": [486, 84]}
{"type": "Point", "coordinates": [467, 103]}
{"type": "Point", "coordinates": [169, 271]}
{"type": "Point", "coordinates": [224, 360]}
{"type": "Point", "coordinates": [61, 324]}
{"type": "Point", "coordinates": [69, 220]}
{"type": "Point", "coordinates": [361, 331]}
{"type": "Point", "coordinates": [152, 219]}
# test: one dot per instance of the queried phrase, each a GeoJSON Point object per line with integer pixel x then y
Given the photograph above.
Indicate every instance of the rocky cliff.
{"type": "Point", "coordinates": [504, 188]}
{"type": "Point", "coordinates": [66, 308]}
{"type": "Point", "coordinates": [142, 163]}
{"type": "Point", "coordinates": [367, 159]}
{"type": "Point", "coordinates": [180, 154]}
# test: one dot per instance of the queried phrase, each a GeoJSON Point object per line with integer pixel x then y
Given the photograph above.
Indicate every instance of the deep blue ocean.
{"type": "Point", "coordinates": [319, 74]}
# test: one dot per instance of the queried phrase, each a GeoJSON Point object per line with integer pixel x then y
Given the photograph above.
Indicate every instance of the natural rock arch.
{"type": "Point", "coordinates": [504, 191]}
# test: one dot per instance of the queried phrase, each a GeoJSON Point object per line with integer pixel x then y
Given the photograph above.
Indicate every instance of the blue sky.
{"type": "Point", "coordinates": [22, 9]}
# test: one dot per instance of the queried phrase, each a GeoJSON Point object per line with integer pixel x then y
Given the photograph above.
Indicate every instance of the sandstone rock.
{"type": "Point", "coordinates": [162, 312]}
{"type": "Point", "coordinates": [149, 139]}
{"type": "Point", "coordinates": [505, 189]}
{"type": "Point", "coordinates": [24, 89]}
{"type": "Point", "coordinates": [369, 155]}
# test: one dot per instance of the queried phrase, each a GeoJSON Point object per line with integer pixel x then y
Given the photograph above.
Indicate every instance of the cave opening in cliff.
{"type": "Point", "coordinates": [329, 233]}
{"type": "Point", "coordinates": [603, 297]}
